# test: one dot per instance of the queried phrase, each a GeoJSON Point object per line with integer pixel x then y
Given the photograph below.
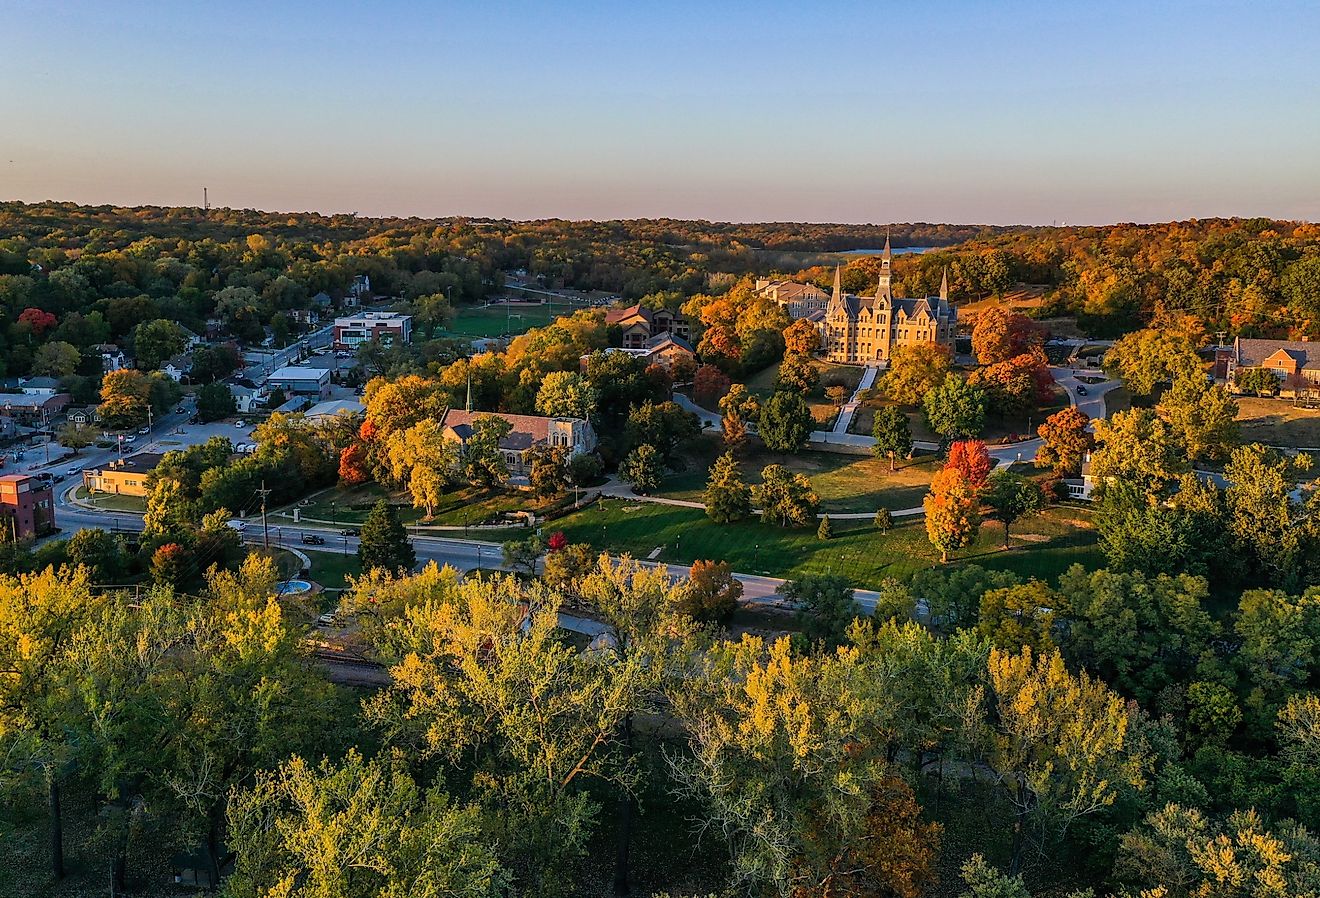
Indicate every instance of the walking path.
{"type": "Point", "coordinates": [850, 407]}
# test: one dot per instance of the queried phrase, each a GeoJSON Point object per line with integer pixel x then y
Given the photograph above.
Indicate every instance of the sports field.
{"type": "Point", "coordinates": [508, 319]}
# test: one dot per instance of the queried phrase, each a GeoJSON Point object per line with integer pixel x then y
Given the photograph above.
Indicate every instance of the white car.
{"type": "Point", "coordinates": [130, 439]}
{"type": "Point", "coordinates": [240, 526]}
{"type": "Point", "coordinates": [240, 423]}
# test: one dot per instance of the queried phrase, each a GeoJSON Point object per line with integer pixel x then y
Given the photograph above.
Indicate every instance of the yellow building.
{"type": "Point", "coordinates": [124, 476]}
{"type": "Point", "coordinates": [865, 330]}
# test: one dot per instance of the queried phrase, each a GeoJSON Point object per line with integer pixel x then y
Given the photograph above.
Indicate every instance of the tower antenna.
{"type": "Point", "coordinates": [206, 201]}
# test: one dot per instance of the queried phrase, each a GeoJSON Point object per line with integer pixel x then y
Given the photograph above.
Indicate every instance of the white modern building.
{"type": "Point", "coordinates": [298, 381]}
{"type": "Point", "coordinates": [390, 327]}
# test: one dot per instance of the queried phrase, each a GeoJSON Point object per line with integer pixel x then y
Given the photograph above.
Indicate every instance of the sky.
{"type": "Point", "coordinates": [929, 110]}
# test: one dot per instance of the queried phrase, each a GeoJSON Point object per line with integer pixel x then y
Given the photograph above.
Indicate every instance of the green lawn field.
{"type": "Point", "coordinates": [845, 483]}
{"type": "Point", "coordinates": [1044, 546]}
{"type": "Point", "coordinates": [506, 319]}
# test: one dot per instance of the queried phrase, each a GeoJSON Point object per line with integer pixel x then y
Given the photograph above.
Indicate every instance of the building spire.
{"type": "Point", "coordinates": [944, 285]}
{"type": "Point", "coordinates": [883, 289]}
{"type": "Point", "coordinates": [469, 392]}
{"type": "Point", "coordinates": [838, 285]}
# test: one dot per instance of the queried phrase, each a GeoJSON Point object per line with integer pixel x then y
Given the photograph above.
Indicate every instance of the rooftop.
{"type": "Point", "coordinates": [299, 372]}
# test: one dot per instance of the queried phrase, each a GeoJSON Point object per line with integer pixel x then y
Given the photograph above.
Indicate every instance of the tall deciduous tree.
{"type": "Point", "coordinates": [1012, 497]}
{"type": "Point", "coordinates": [785, 422]}
{"type": "Point", "coordinates": [483, 462]}
{"type": "Point", "coordinates": [786, 498]}
{"type": "Point", "coordinates": [739, 407]}
{"type": "Point", "coordinates": [643, 469]}
{"type": "Point", "coordinates": [1001, 334]}
{"type": "Point", "coordinates": [424, 461]}
{"type": "Point", "coordinates": [955, 409]}
{"type": "Point", "coordinates": [914, 371]}
{"type": "Point", "coordinates": [728, 497]}
{"type": "Point", "coordinates": [892, 433]}
{"type": "Point", "coordinates": [1147, 358]}
{"type": "Point", "coordinates": [383, 542]}
{"type": "Point", "coordinates": [1137, 447]}
{"type": "Point", "coordinates": [1202, 417]}
{"type": "Point", "coordinates": [952, 518]}
{"type": "Point", "coordinates": [1065, 441]}
{"type": "Point", "coordinates": [566, 394]}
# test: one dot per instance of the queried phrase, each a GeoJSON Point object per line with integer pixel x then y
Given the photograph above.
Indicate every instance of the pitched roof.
{"type": "Point", "coordinates": [1253, 353]}
{"type": "Point", "coordinates": [535, 427]}
{"type": "Point", "coordinates": [660, 340]}
{"type": "Point", "coordinates": [618, 316]}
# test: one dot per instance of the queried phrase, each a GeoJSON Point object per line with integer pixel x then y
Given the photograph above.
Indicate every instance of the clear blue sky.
{"type": "Point", "coordinates": [831, 111]}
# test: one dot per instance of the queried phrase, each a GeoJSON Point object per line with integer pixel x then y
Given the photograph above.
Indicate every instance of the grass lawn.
{"type": "Point", "coordinates": [506, 318]}
{"type": "Point", "coordinates": [763, 384]}
{"type": "Point", "coordinates": [996, 428]}
{"type": "Point", "coordinates": [1277, 423]}
{"type": "Point", "coordinates": [845, 483]}
{"type": "Point", "coordinates": [863, 421]}
{"type": "Point", "coordinates": [1044, 546]}
{"type": "Point", "coordinates": [330, 569]}
{"type": "Point", "coordinates": [113, 501]}
{"type": "Point", "coordinates": [458, 507]}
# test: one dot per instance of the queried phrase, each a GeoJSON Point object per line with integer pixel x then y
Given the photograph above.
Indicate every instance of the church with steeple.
{"type": "Point", "coordinates": [865, 330]}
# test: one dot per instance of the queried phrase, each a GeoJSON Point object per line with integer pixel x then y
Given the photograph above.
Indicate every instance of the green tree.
{"type": "Point", "coordinates": [893, 435]}
{"type": "Point", "coordinates": [524, 554]}
{"type": "Point", "coordinates": [566, 394]}
{"type": "Point", "coordinates": [825, 606]}
{"type": "Point", "coordinates": [56, 359]}
{"type": "Point", "coordinates": [914, 371]}
{"type": "Point", "coordinates": [1202, 417]}
{"type": "Point", "coordinates": [1279, 535]}
{"type": "Point", "coordinates": [1059, 745]}
{"type": "Point", "coordinates": [785, 422]}
{"type": "Point", "coordinates": [483, 462]}
{"type": "Point", "coordinates": [1137, 447]}
{"type": "Point", "coordinates": [1012, 497]}
{"type": "Point", "coordinates": [1019, 615]}
{"type": "Point", "coordinates": [169, 515]}
{"type": "Point", "coordinates": [955, 409]}
{"type": "Point", "coordinates": [738, 408]}
{"type": "Point", "coordinates": [1257, 381]}
{"type": "Point", "coordinates": [728, 498]}
{"type": "Point", "coordinates": [884, 521]}
{"type": "Point", "coordinates": [548, 473]}
{"type": "Point", "coordinates": [383, 542]}
{"type": "Point", "coordinates": [666, 426]}
{"type": "Point", "coordinates": [357, 829]}
{"type": "Point", "coordinates": [786, 498]}
{"type": "Point", "coordinates": [643, 469]}
{"type": "Point", "coordinates": [214, 402]}
{"type": "Point", "coordinates": [825, 531]}
{"type": "Point", "coordinates": [156, 342]}
{"type": "Point", "coordinates": [1146, 358]}
{"type": "Point", "coordinates": [99, 551]}
{"type": "Point", "coordinates": [75, 436]}
{"type": "Point", "coordinates": [796, 375]}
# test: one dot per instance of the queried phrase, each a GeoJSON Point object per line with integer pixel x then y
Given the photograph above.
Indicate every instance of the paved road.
{"type": "Point", "coordinates": [261, 364]}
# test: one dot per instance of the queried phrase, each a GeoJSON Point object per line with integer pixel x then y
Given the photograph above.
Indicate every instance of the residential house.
{"type": "Point", "coordinates": [247, 399]}
{"type": "Point", "coordinates": [664, 350]}
{"type": "Point", "coordinates": [574, 435]}
{"type": "Point", "coordinates": [1296, 363]}
{"type": "Point", "coordinates": [39, 386]}
{"type": "Point", "coordinates": [358, 292]}
{"type": "Point", "coordinates": [123, 476]}
{"type": "Point", "coordinates": [639, 324]}
{"type": "Point", "coordinates": [84, 416]}
{"type": "Point", "coordinates": [178, 367]}
{"type": "Point", "coordinates": [866, 330]}
{"type": "Point", "coordinates": [34, 408]}
{"type": "Point", "coordinates": [112, 357]}
{"type": "Point", "coordinates": [354, 330]}
{"type": "Point", "coordinates": [296, 380]}
{"type": "Point", "coordinates": [193, 339]}
{"type": "Point", "coordinates": [798, 300]}
{"type": "Point", "coordinates": [29, 506]}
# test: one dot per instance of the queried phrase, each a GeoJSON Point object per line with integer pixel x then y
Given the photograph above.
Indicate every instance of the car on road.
{"type": "Point", "coordinates": [144, 430]}
{"type": "Point", "coordinates": [130, 438]}
{"type": "Point", "coordinates": [1081, 389]}
{"type": "Point", "coordinates": [240, 526]}
{"type": "Point", "coordinates": [311, 539]}
{"type": "Point", "coordinates": [240, 423]}
{"type": "Point", "coordinates": [349, 531]}
{"type": "Point", "coordinates": [73, 472]}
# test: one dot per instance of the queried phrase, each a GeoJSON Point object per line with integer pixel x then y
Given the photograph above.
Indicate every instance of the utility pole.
{"type": "Point", "coordinates": [265, 531]}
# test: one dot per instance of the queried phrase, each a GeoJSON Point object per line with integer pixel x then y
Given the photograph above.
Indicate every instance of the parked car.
{"type": "Point", "coordinates": [311, 539]}
{"type": "Point", "coordinates": [240, 423]}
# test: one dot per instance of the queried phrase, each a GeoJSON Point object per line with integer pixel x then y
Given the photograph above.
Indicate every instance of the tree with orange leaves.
{"type": "Point", "coordinates": [353, 465]}
{"type": "Point", "coordinates": [972, 460]}
{"type": "Point", "coordinates": [1001, 334]}
{"type": "Point", "coordinates": [952, 511]}
{"type": "Point", "coordinates": [801, 337]}
{"type": "Point", "coordinates": [1066, 441]}
{"type": "Point", "coordinates": [709, 385]}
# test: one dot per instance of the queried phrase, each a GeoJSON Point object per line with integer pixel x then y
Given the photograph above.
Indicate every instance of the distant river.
{"type": "Point", "coordinates": [898, 251]}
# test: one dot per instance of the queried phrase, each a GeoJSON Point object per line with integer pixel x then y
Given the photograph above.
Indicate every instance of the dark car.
{"type": "Point", "coordinates": [1081, 389]}
{"type": "Point", "coordinates": [349, 531]}
{"type": "Point", "coordinates": [311, 539]}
